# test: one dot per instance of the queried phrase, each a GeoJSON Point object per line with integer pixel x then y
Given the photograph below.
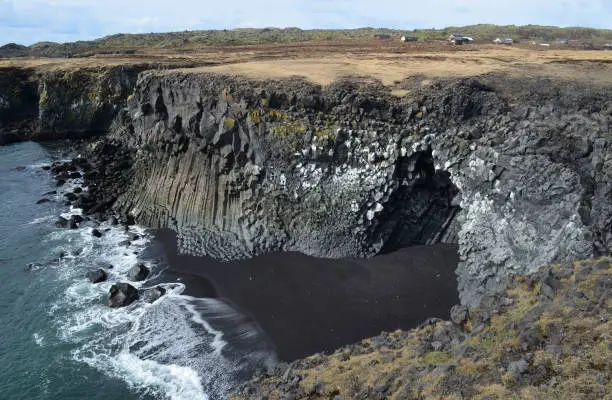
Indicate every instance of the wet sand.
{"type": "Point", "coordinates": [308, 305]}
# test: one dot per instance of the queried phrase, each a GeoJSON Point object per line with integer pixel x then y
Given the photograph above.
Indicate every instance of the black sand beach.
{"type": "Point", "coordinates": [307, 305]}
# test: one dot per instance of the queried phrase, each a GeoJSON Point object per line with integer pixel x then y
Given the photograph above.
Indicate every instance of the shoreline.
{"type": "Point", "coordinates": [307, 305]}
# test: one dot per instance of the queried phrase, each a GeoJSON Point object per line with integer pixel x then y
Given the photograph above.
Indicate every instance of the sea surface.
{"type": "Point", "coordinates": [58, 340]}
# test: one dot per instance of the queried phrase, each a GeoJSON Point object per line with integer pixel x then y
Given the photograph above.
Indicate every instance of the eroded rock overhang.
{"type": "Point", "coordinates": [516, 172]}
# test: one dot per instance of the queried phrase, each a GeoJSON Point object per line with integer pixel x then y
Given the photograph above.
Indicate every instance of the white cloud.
{"type": "Point", "coordinates": [28, 21]}
{"type": "Point", "coordinates": [146, 21]}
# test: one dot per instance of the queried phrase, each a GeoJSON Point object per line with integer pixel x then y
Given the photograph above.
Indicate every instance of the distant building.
{"type": "Point", "coordinates": [382, 36]}
{"type": "Point", "coordinates": [409, 38]}
{"type": "Point", "coordinates": [563, 41]}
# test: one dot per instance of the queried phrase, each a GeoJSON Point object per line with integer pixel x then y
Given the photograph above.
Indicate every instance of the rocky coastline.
{"type": "Point", "coordinates": [516, 171]}
{"type": "Point", "coordinates": [513, 170]}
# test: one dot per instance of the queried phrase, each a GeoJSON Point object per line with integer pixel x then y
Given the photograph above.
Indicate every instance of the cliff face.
{"type": "Point", "coordinates": [516, 172]}
{"type": "Point", "coordinates": [48, 105]}
{"type": "Point", "coordinates": [241, 170]}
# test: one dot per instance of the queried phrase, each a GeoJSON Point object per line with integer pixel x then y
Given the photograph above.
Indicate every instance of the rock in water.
{"type": "Point", "coordinates": [71, 196]}
{"type": "Point", "coordinates": [97, 275]}
{"type": "Point", "coordinates": [121, 295]}
{"type": "Point", "coordinates": [66, 223]}
{"type": "Point", "coordinates": [138, 273]}
{"type": "Point", "coordinates": [153, 294]}
{"type": "Point", "coordinates": [96, 233]}
{"type": "Point", "coordinates": [42, 201]}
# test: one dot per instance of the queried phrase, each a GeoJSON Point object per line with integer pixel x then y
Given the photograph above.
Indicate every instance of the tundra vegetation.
{"type": "Point", "coordinates": [127, 43]}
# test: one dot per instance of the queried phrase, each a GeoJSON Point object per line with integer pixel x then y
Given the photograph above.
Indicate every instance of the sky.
{"type": "Point", "coordinates": [30, 21]}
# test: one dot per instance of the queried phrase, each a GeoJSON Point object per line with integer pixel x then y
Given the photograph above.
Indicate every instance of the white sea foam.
{"type": "Point", "coordinates": [39, 339]}
{"type": "Point", "coordinates": [41, 220]}
{"type": "Point", "coordinates": [168, 349]}
{"type": "Point", "coordinates": [150, 377]}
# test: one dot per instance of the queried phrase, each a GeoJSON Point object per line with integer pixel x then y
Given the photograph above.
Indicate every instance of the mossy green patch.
{"type": "Point", "coordinates": [229, 123]}
{"type": "Point", "coordinates": [437, 357]}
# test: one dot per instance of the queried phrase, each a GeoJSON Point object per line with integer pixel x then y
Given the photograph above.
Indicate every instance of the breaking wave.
{"type": "Point", "coordinates": [179, 347]}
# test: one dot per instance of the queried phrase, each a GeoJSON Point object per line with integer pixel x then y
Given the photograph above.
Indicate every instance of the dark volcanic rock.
{"type": "Point", "coordinates": [96, 233]}
{"type": "Point", "coordinates": [121, 295]}
{"type": "Point", "coordinates": [56, 105]}
{"type": "Point", "coordinates": [453, 163]}
{"type": "Point", "coordinates": [458, 314]}
{"type": "Point", "coordinates": [97, 275]}
{"type": "Point", "coordinates": [66, 223]}
{"type": "Point", "coordinates": [138, 273]}
{"type": "Point", "coordinates": [151, 295]}
{"type": "Point", "coordinates": [514, 170]}
{"type": "Point", "coordinates": [71, 196]}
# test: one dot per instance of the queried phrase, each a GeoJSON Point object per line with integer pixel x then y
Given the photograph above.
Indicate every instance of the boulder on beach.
{"type": "Point", "coordinates": [138, 273]}
{"type": "Point", "coordinates": [121, 295]}
{"type": "Point", "coordinates": [97, 275]}
{"type": "Point", "coordinates": [150, 295]}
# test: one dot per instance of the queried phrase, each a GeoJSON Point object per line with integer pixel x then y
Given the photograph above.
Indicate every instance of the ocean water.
{"type": "Point", "coordinates": [58, 340]}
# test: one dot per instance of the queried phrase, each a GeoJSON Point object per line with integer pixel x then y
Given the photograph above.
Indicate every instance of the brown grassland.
{"type": "Point", "coordinates": [401, 66]}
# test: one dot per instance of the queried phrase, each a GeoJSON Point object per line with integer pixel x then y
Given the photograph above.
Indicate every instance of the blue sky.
{"type": "Point", "coordinates": [30, 21]}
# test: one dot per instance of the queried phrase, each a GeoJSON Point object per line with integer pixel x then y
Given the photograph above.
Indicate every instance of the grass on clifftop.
{"type": "Point", "coordinates": [548, 337]}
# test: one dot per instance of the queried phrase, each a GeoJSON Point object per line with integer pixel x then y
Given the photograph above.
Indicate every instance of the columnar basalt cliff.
{"type": "Point", "coordinates": [240, 170]}
{"type": "Point", "coordinates": [517, 171]}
